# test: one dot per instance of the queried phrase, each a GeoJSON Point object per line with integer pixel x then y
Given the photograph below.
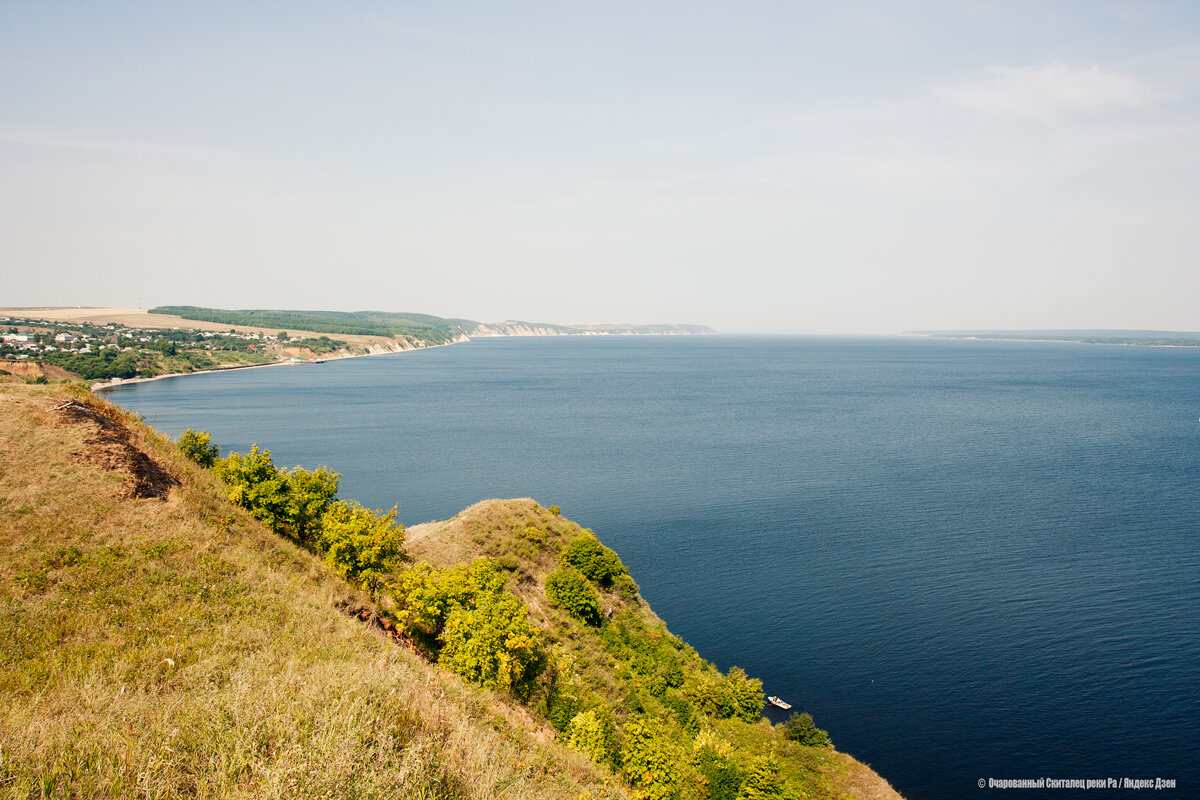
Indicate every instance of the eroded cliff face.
{"type": "Point", "coordinates": [35, 369]}
{"type": "Point", "coordinates": [514, 329]}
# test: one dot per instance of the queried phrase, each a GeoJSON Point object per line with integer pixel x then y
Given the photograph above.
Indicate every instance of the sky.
{"type": "Point", "coordinates": [773, 167]}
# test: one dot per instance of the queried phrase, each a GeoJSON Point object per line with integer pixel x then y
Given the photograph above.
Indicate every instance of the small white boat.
{"type": "Point", "coordinates": [775, 701]}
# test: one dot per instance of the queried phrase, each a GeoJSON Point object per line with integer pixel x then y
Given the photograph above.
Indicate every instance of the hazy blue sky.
{"type": "Point", "coordinates": [756, 166]}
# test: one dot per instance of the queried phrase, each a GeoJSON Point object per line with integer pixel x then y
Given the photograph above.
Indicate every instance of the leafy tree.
{"type": "Point", "coordinates": [650, 761]}
{"type": "Point", "coordinates": [164, 346]}
{"type": "Point", "coordinates": [566, 587]}
{"type": "Point", "coordinates": [290, 502]}
{"type": "Point", "coordinates": [197, 445]}
{"type": "Point", "coordinates": [721, 774]}
{"type": "Point", "coordinates": [309, 494]}
{"type": "Point", "coordinates": [593, 732]}
{"type": "Point", "coordinates": [764, 781]}
{"type": "Point", "coordinates": [425, 596]}
{"type": "Point", "coordinates": [254, 483]}
{"type": "Point", "coordinates": [800, 728]}
{"type": "Point", "coordinates": [493, 644]}
{"type": "Point", "coordinates": [732, 695]}
{"type": "Point", "coordinates": [361, 545]}
{"type": "Point", "coordinates": [478, 629]}
{"type": "Point", "coordinates": [626, 587]}
{"type": "Point", "coordinates": [600, 564]}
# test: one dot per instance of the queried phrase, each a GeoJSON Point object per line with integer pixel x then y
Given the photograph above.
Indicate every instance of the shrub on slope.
{"type": "Point", "coordinates": [177, 648]}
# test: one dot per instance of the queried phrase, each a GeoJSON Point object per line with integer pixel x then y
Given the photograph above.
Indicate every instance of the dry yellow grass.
{"type": "Point", "coordinates": [175, 648]}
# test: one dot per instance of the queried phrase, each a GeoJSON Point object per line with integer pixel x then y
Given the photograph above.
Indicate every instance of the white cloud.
{"type": "Point", "coordinates": [1050, 91]}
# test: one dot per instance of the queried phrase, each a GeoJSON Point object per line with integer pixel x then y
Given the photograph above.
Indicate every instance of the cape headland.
{"type": "Point", "coordinates": [178, 623]}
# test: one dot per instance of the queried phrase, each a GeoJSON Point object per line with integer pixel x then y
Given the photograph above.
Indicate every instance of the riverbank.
{"type": "Point", "coordinates": [375, 350]}
{"type": "Point", "coordinates": [100, 386]}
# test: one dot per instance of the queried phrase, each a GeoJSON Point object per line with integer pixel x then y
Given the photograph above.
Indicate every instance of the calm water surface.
{"type": "Point", "coordinates": [966, 559]}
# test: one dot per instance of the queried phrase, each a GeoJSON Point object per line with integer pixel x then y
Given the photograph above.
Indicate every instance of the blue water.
{"type": "Point", "coordinates": [967, 559]}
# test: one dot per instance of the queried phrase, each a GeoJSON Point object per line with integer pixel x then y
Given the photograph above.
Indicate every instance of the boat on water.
{"type": "Point", "coordinates": [775, 701]}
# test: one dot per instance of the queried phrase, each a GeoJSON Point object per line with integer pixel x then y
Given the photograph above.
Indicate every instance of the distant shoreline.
{"type": "Point", "coordinates": [112, 383]}
{"type": "Point", "coordinates": [101, 386]}
{"type": "Point", "coordinates": [1116, 340]}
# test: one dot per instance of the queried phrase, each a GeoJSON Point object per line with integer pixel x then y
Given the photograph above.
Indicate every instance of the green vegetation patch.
{"type": "Point", "coordinates": [569, 589]}
{"type": "Point", "coordinates": [424, 327]}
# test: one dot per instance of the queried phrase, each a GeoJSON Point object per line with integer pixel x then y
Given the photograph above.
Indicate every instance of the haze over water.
{"type": "Point", "coordinates": [966, 559]}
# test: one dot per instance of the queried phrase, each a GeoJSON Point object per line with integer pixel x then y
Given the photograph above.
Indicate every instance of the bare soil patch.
{"type": "Point", "coordinates": [112, 447]}
{"type": "Point", "coordinates": [36, 369]}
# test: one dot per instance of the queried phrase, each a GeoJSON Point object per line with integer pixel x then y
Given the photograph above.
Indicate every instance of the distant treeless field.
{"type": "Point", "coordinates": [141, 318]}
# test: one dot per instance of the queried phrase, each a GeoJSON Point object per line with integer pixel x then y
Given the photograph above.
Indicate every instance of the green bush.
{"type": "Point", "coordinates": [685, 715]}
{"type": "Point", "coordinates": [361, 545]}
{"type": "Point", "coordinates": [600, 564]}
{"type": "Point", "coordinates": [290, 502]}
{"type": "Point", "coordinates": [493, 644]}
{"type": "Point", "coordinates": [730, 696]}
{"type": "Point", "coordinates": [567, 588]}
{"type": "Point", "coordinates": [197, 445]}
{"type": "Point", "coordinates": [764, 781]}
{"type": "Point", "coordinates": [593, 732]}
{"type": "Point", "coordinates": [309, 494]}
{"type": "Point", "coordinates": [800, 728]}
{"type": "Point", "coordinates": [254, 483]}
{"type": "Point", "coordinates": [425, 595]}
{"type": "Point", "coordinates": [626, 587]}
{"type": "Point", "coordinates": [721, 775]}
{"type": "Point", "coordinates": [474, 626]}
{"type": "Point", "coordinates": [562, 704]}
{"type": "Point", "coordinates": [650, 761]}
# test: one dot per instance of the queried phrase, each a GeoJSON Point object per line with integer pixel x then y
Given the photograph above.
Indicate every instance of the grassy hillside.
{"type": "Point", "coordinates": [627, 664]}
{"type": "Point", "coordinates": [157, 640]}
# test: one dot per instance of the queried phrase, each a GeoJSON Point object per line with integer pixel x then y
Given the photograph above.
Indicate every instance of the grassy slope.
{"type": "Point", "coordinates": [174, 647]}
{"type": "Point", "coordinates": [529, 538]}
